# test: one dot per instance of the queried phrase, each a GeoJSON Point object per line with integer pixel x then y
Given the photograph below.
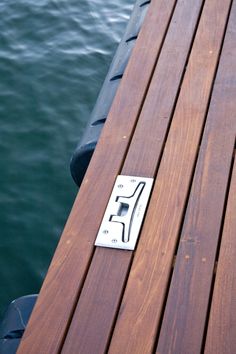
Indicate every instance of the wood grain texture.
{"type": "Point", "coordinates": [99, 301]}
{"type": "Point", "coordinates": [152, 127]}
{"type": "Point", "coordinates": [75, 248]}
{"type": "Point", "coordinates": [222, 325]}
{"type": "Point", "coordinates": [92, 335]}
{"type": "Point", "coordinates": [221, 337]}
{"type": "Point", "coordinates": [141, 308]}
{"type": "Point", "coordinates": [187, 304]}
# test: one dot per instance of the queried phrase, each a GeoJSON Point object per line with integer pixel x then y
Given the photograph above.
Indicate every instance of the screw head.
{"type": "Point", "coordinates": [120, 186]}
{"type": "Point", "coordinates": [105, 232]}
{"type": "Point", "coordinates": [114, 240]}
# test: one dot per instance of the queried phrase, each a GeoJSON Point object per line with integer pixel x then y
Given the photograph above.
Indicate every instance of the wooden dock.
{"type": "Point", "coordinates": [173, 119]}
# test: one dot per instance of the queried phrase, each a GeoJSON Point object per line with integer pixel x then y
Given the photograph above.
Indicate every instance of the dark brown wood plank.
{"type": "Point", "coordinates": [151, 130]}
{"type": "Point", "coordinates": [99, 307]}
{"type": "Point", "coordinates": [99, 302]}
{"type": "Point", "coordinates": [221, 337]}
{"type": "Point", "coordinates": [188, 299]}
{"type": "Point", "coordinates": [60, 290]}
{"type": "Point", "coordinates": [141, 308]}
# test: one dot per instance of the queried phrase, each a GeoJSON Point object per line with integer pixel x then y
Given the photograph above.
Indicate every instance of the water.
{"type": "Point", "coordinates": [54, 55]}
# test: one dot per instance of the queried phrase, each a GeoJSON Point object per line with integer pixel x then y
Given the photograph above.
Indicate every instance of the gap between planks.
{"type": "Point", "coordinates": [91, 304]}
{"type": "Point", "coordinates": [138, 320]}
{"type": "Point", "coordinates": [220, 334]}
{"type": "Point", "coordinates": [74, 251]}
{"type": "Point", "coordinates": [193, 277]}
{"type": "Point", "coordinates": [70, 344]}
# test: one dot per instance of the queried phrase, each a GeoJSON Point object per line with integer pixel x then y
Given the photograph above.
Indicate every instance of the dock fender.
{"type": "Point", "coordinates": [14, 322]}
{"type": "Point", "coordinates": [83, 153]}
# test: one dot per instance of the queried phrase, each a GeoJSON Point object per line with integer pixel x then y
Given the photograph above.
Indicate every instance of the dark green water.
{"type": "Point", "coordinates": [54, 55]}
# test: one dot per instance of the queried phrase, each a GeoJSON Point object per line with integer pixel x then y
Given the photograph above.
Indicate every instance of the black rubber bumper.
{"type": "Point", "coordinates": [14, 323]}
{"type": "Point", "coordinates": [85, 149]}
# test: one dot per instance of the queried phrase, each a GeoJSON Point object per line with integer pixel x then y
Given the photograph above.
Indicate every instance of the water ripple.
{"type": "Point", "coordinates": [53, 58]}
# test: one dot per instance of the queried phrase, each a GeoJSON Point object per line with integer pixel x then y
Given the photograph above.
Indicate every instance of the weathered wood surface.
{"type": "Point", "coordinates": [173, 119]}
{"type": "Point", "coordinates": [221, 329]}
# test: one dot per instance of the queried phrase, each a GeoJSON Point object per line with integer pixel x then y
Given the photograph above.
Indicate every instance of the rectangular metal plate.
{"type": "Point", "coordinates": [124, 214]}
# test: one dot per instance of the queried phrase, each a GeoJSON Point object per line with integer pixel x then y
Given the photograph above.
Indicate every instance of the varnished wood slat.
{"type": "Point", "coordinates": [149, 138]}
{"type": "Point", "coordinates": [221, 329]}
{"type": "Point", "coordinates": [141, 308]}
{"type": "Point", "coordinates": [221, 337]}
{"type": "Point", "coordinates": [63, 282]}
{"type": "Point", "coordinates": [93, 334]}
{"type": "Point", "coordinates": [187, 304]}
{"type": "Point", "coordinates": [92, 323]}
{"type": "Point", "coordinates": [101, 295]}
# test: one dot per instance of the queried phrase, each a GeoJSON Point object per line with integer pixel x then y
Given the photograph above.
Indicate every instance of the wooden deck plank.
{"type": "Point", "coordinates": [93, 334]}
{"type": "Point", "coordinates": [75, 248]}
{"type": "Point", "coordinates": [141, 308]}
{"type": "Point", "coordinates": [221, 337]}
{"type": "Point", "coordinates": [222, 324]}
{"type": "Point", "coordinates": [152, 127]}
{"type": "Point", "coordinates": [99, 302]}
{"type": "Point", "coordinates": [186, 310]}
